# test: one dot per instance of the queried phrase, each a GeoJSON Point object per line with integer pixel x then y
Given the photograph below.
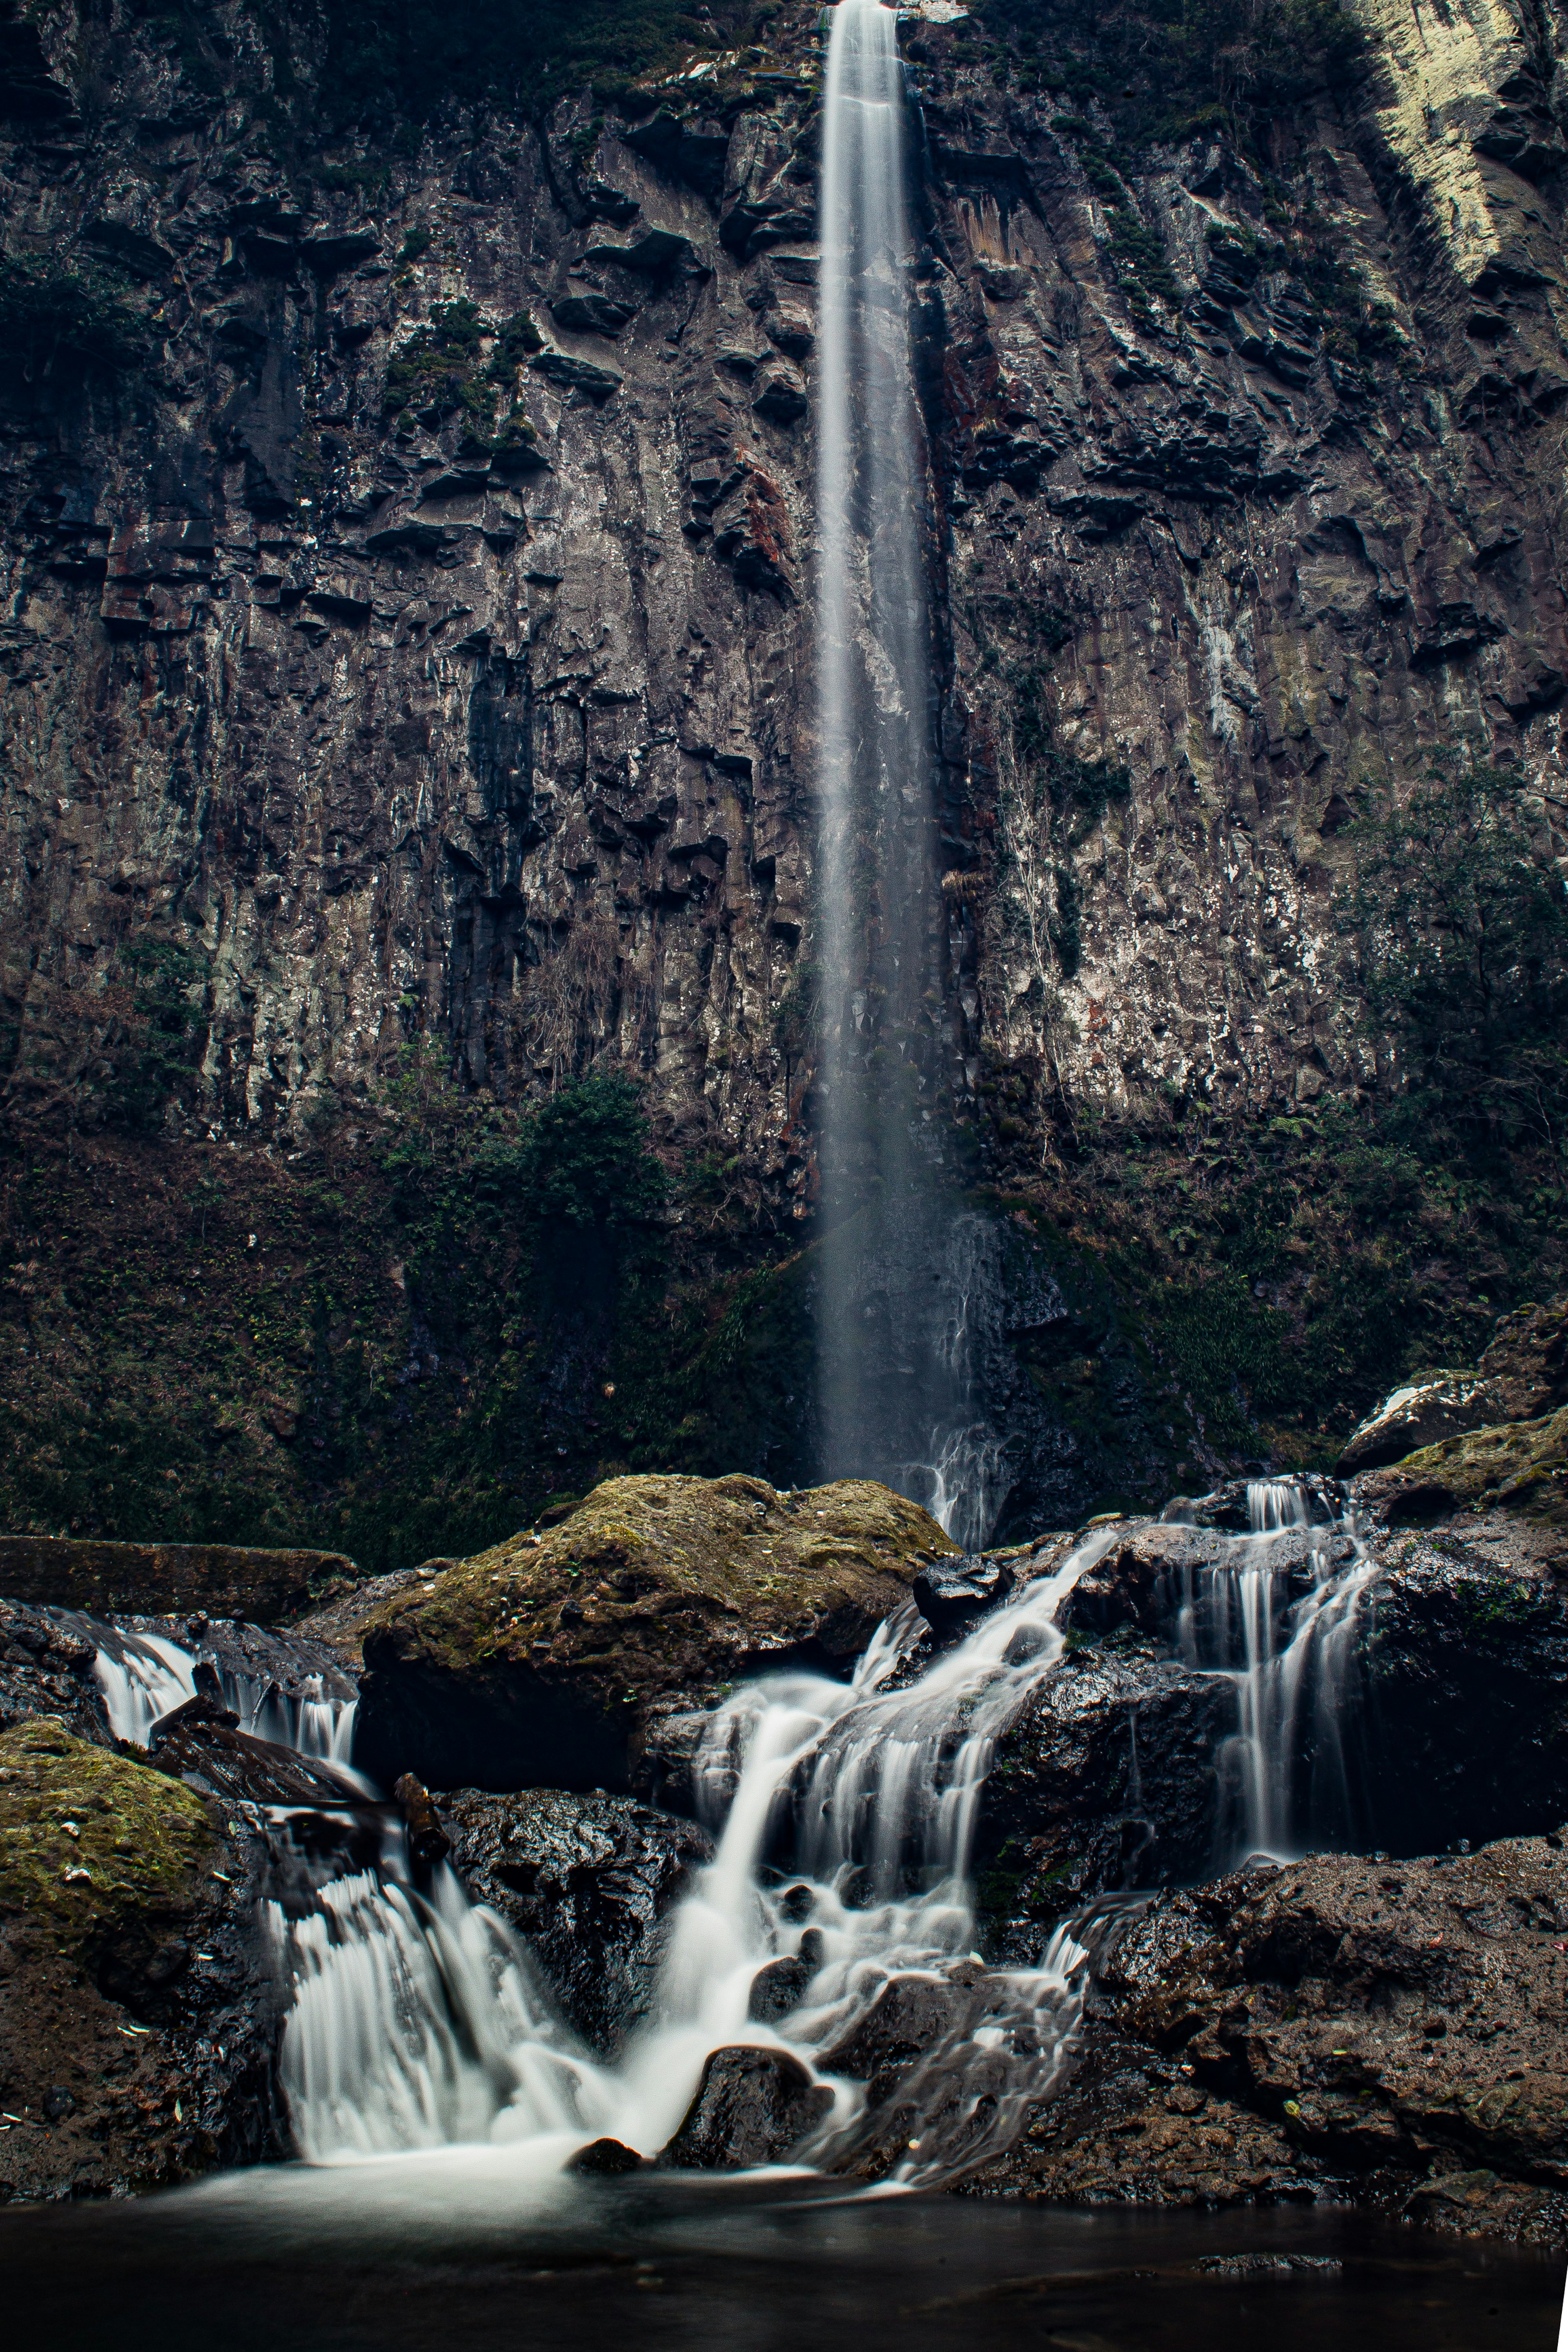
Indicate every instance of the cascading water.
{"type": "Point", "coordinates": [1278, 1622]}
{"type": "Point", "coordinates": [144, 1675]}
{"type": "Point", "coordinates": [895, 1378]}
{"type": "Point", "coordinates": [848, 1811]}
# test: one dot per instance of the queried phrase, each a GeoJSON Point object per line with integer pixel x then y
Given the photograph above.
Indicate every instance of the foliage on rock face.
{"type": "Point", "coordinates": [1462, 925]}
{"type": "Point", "coordinates": [1166, 69]}
{"type": "Point", "coordinates": [442, 369]}
{"type": "Point", "coordinates": [396, 61]}
{"type": "Point", "coordinates": [51, 310]}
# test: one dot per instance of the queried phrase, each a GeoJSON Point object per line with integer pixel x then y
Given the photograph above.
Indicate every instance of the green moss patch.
{"type": "Point", "coordinates": [1519, 1466]}
{"type": "Point", "coordinates": [90, 1840]}
{"type": "Point", "coordinates": [653, 1583]}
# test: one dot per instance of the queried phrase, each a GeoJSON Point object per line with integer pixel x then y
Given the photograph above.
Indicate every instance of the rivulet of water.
{"type": "Point", "coordinates": [145, 1676]}
{"type": "Point", "coordinates": [1278, 1620]}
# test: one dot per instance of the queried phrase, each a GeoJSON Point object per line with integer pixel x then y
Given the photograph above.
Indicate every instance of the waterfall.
{"type": "Point", "coordinates": [1278, 1622]}
{"type": "Point", "coordinates": [145, 1676]}
{"type": "Point", "coordinates": [848, 1811]}
{"type": "Point", "coordinates": [895, 1373]}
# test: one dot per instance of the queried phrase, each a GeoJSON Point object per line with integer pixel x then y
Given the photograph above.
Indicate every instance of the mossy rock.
{"type": "Point", "coordinates": [538, 1662]}
{"type": "Point", "coordinates": [1518, 1467]}
{"type": "Point", "coordinates": [90, 1843]}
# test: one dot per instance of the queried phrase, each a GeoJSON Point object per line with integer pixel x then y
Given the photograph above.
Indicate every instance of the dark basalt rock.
{"type": "Point", "coordinates": [589, 1882]}
{"type": "Point", "coordinates": [1343, 2026]}
{"type": "Point", "coordinates": [777, 1990]}
{"type": "Point", "coordinates": [45, 1669]}
{"type": "Point", "coordinates": [1106, 1778]}
{"type": "Point", "coordinates": [201, 1744]}
{"type": "Point", "coordinates": [752, 2106]}
{"type": "Point", "coordinates": [606, 2158]}
{"type": "Point", "coordinates": [908, 2016]}
{"type": "Point", "coordinates": [952, 1595]}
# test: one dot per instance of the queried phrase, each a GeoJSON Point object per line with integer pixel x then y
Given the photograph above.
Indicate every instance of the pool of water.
{"type": "Point", "coordinates": [411, 2253]}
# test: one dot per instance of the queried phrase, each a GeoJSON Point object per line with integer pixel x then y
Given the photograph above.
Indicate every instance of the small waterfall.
{"type": "Point", "coordinates": [145, 1676]}
{"type": "Point", "coordinates": [848, 1812]}
{"type": "Point", "coordinates": [1277, 1621]}
{"type": "Point", "coordinates": [895, 1370]}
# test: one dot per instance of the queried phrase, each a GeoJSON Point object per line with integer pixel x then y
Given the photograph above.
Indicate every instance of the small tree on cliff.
{"type": "Point", "coordinates": [1461, 920]}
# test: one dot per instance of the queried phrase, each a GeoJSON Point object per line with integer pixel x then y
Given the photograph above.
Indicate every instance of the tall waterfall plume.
{"type": "Point", "coordinates": [894, 1329]}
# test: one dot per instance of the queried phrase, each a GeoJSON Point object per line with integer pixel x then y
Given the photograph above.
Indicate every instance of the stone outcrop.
{"type": "Point", "coordinates": [752, 2106]}
{"type": "Point", "coordinates": [1521, 1376]}
{"type": "Point", "coordinates": [211, 1579]}
{"type": "Point", "coordinates": [588, 1882]}
{"type": "Point", "coordinates": [1388, 2031]}
{"type": "Point", "coordinates": [541, 1664]}
{"type": "Point", "coordinates": [485, 713]}
{"type": "Point", "coordinates": [139, 2023]}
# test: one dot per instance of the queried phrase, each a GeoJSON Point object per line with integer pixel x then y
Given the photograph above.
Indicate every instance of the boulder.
{"type": "Point", "coordinates": [1342, 2027]}
{"type": "Point", "coordinates": [589, 1883]}
{"type": "Point", "coordinates": [752, 2106]}
{"type": "Point", "coordinates": [1432, 1406]}
{"type": "Point", "coordinates": [1105, 1777]}
{"type": "Point", "coordinates": [1522, 1375]}
{"type": "Point", "coordinates": [1517, 1469]}
{"type": "Point", "coordinates": [540, 1662]}
{"type": "Point", "coordinates": [47, 1668]}
{"type": "Point", "coordinates": [138, 2010]}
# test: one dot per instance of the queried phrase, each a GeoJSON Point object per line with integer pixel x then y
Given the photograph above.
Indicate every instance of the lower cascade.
{"type": "Point", "coordinates": [845, 1815]}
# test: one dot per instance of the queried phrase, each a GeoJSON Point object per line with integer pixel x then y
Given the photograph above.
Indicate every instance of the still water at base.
{"type": "Point", "coordinates": [472, 2249]}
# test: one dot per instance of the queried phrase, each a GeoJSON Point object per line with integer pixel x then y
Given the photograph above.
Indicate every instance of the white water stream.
{"type": "Point", "coordinates": [146, 1675]}
{"type": "Point", "coordinates": [418, 2021]}
{"type": "Point", "coordinates": [1288, 1652]}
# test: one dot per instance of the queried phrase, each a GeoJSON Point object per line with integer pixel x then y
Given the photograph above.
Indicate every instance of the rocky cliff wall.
{"type": "Point", "coordinates": [408, 639]}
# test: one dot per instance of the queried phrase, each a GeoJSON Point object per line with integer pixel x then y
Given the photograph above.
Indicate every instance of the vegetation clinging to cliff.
{"type": "Point", "coordinates": [1166, 69]}
{"type": "Point", "coordinates": [1463, 933]}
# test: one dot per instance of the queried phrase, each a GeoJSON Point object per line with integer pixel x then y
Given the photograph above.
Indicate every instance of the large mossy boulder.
{"type": "Point", "coordinates": [541, 1664]}
{"type": "Point", "coordinates": [138, 2011]}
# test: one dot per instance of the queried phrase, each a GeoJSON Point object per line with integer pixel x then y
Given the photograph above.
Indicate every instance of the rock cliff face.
{"type": "Point", "coordinates": [407, 660]}
{"type": "Point", "coordinates": [415, 638]}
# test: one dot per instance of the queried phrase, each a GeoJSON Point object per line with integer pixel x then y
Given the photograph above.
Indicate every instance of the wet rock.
{"type": "Point", "coordinates": [908, 2016]}
{"type": "Point", "coordinates": [137, 2010]}
{"type": "Point", "coordinates": [1267, 2037]}
{"type": "Point", "coordinates": [540, 1662]}
{"type": "Point", "coordinates": [951, 1595]}
{"type": "Point", "coordinates": [777, 1990]}
{"type": "Point", "coordinates": [200, 1743]}
{"type": "Point", "coordinates": [427, 1841]}
{"type": "Point", "coordinates": [45, 1669]}
{"type": "Point", "coordinates": [752, 2106]}
{"type": "Point", "coordinates": [1106, 1778]}
{"type": "Point", "coordinates": [1459, 1693]}
{"type": "Point", "coordinates": [589, 1882]}
{"type": "Point", "coordinates": [606, 2160]}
